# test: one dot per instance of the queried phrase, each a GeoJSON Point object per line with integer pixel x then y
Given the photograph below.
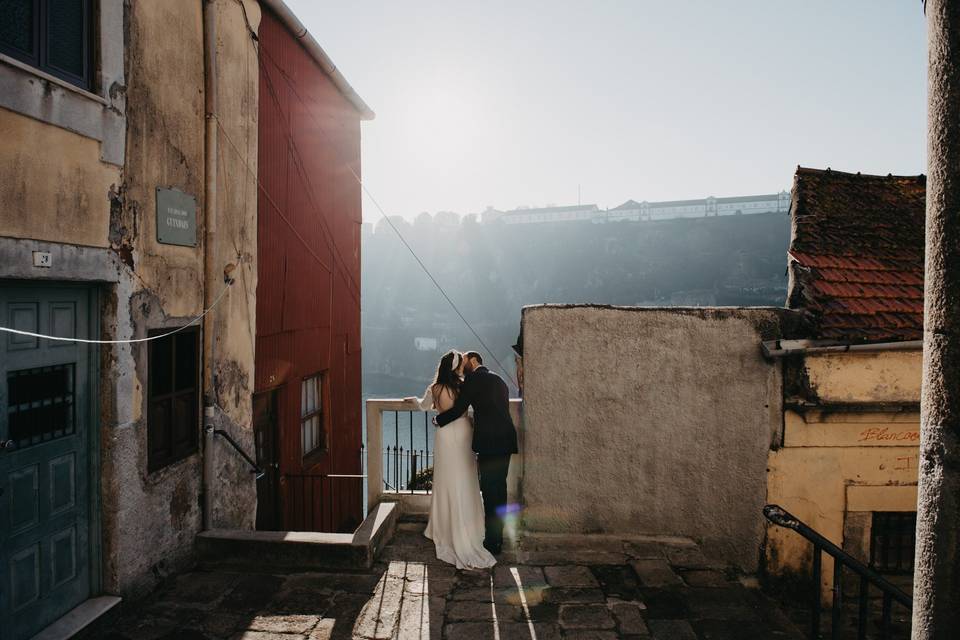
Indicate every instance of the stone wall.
{"type": "Point", "coordinates": [650, 421]}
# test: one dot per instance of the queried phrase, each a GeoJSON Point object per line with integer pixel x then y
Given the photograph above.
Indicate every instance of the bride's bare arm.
{"type": "Point", "coordinates": [426, 403]}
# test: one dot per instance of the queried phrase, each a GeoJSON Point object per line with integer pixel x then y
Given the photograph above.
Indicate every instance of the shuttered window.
{"type": "Point", "coordinates": [312, 433]}
{"type": "Point", "coordinates": [173, 414]}
{"type": "Point", "coordinates": [55, 36]}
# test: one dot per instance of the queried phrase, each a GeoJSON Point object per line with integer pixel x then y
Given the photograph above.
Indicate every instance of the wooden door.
{"type": "Point", "coordinates": [265, 426]}
{"type": "Point", "coordinates": [45, 463]}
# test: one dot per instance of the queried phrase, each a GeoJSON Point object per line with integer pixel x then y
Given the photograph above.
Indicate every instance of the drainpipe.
{"type": "Point", "coordinates": [936, 608]}
{"type": "Point", "coordinates": [781, 348]}
{"type": "Point", "coordinates": [210, 229]}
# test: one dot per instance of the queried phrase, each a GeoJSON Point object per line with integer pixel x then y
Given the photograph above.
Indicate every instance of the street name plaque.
{"type": "Point", "coordinates": [176, 217]}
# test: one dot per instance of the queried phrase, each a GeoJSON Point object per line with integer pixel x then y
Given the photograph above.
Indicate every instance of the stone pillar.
{"type": "Point", "coordinates": [936, 612]}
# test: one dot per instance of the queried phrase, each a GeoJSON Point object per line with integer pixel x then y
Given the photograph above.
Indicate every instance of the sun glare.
{"type": "Point", "coordinates": [441, 122]}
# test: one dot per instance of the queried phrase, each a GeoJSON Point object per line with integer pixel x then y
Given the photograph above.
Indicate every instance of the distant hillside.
{"type": "Point", "coordinates": [492, 270]}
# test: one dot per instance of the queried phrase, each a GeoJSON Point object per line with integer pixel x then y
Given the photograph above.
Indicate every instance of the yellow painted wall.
{"type": "Point", "coordinates": [151, 519]}
{"type": "Point", "coordinates": [885, 376]}
{"type": "Point", "coordinates": [835, 462]}
{"type": "Point", "coordinates": [53, 186]}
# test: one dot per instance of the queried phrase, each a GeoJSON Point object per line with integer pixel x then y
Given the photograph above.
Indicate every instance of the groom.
{"type": "Point", "coordinates": [494, 439]}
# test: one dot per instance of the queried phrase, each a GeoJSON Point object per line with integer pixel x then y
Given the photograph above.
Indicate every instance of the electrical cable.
{"type": "Point", "coordinates": [200, 317]}
{"type": "Point", "coordinates": [403, 240]}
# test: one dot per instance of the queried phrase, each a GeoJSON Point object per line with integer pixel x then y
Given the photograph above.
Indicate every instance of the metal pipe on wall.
{"type": "Point", "coordinates": [209, 257]}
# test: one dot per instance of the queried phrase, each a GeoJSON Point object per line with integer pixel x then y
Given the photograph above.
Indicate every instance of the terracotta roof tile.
{"type": "Point", "coordinates": [857, 254]}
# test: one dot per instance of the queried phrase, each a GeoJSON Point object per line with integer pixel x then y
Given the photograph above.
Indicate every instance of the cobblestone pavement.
{"type": "Point", "coordinates": [556, 588]}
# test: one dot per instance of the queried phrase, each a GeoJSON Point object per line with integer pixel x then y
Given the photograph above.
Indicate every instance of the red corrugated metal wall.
{"type": "Point", "coordinates": [308, 296]}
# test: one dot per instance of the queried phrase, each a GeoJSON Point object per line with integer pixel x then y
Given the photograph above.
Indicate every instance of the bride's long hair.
{"type": "Point", "coordinates": [446, 372]}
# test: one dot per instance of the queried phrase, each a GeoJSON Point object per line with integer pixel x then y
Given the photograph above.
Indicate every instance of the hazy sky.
{"type": "Point", "coordinates": [516, 103]}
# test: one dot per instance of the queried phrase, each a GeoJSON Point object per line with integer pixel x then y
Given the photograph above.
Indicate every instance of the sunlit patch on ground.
{"type": "Point", "coordinates": [562, 586]}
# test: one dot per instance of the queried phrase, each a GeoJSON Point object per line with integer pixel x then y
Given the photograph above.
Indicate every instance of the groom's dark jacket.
{"type": "Point", "coordinates": [493, 430]}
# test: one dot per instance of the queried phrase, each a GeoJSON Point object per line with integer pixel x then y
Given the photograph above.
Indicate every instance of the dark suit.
{"type": "Point", "coordinates": [494, 440]}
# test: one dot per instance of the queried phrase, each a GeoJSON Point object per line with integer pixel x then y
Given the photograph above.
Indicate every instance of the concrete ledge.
{"type": "Point", "coordinates": [410, 503]}
{"type": "Point", "coordinates": [300, 550]}
{"type": "Point", "coordinates": [78, 618]}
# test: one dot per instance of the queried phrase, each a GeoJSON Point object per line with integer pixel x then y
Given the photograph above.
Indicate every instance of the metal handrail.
{"type": "Point", "coordinates": [233, 443]}
{"type": "Point", "coordinates": [781, 517]}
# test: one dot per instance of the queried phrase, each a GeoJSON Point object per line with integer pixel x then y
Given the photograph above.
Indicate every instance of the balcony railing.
{"type": "Point", "coordinates": [408, 463]}
{"type": "Point", "coordinates": [400, 453]}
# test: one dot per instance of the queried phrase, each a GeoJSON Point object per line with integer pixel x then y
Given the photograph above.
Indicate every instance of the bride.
{"type": "Point", "coordinates": [456, 510]}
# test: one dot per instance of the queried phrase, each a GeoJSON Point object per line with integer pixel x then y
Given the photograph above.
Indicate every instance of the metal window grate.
{"type": "Point", "coordinates": [892, 538]}
{"type": "Point", "coordinates": [40, 404]}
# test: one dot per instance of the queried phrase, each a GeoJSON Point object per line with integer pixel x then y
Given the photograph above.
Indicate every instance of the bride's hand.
{"type": "Point", "coordinates": [412, 401]}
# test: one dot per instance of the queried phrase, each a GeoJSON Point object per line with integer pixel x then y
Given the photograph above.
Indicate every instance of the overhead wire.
{"type": "Point", "coordinates": [328, 235]}
{"type": "Point", "coordinates": [265, 53]}
{"type": "Point", "coordinates": [192, 322]}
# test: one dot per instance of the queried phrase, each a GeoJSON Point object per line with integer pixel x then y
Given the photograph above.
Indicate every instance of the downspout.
{"type": "Point", "coordinates": [210, 230]}
{"type": "Point", "coordinates": [775, 348]}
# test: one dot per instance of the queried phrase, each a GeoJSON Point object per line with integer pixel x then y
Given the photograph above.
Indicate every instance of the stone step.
{"type": "Point", "coordinates": [415, 516]}
{"type": "Point", "coordinates": [273, 551]}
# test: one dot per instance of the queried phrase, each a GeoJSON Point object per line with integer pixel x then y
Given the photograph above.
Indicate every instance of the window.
{"type": "Point", "coordinates": [892, 540]}
{"type": "Point", "coordinates": [173, 412]}
{"type": "Point", "coordinates": [55, 36]}
{"type": "Point", "coordinates": [312, 436]}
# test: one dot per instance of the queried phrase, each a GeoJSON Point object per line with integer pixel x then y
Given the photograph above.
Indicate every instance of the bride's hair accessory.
{"type": "Point", "coordinates": [456, 361]}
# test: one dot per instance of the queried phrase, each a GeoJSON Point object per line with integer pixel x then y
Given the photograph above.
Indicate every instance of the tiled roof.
{"type": "Point", "coordinates": [857, 254]}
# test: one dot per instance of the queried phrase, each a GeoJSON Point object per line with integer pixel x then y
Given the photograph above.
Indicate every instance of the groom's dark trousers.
{"type": "Point", "coordinates": [494, 439]}
{"type": "Point", "coordinates": [493, 485]}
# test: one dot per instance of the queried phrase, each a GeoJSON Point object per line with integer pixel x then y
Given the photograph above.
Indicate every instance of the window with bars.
{"type": "Point", "coordinates": [892, 537]}
{"type": "Point", "coordinates": [173, 413]}
{"type": "Point", "coordinates": [313, 436]}
{"type": "Point", "coordinates": [55, 36]}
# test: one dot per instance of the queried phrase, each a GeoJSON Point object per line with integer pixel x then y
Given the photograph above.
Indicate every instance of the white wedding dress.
{"type": "Point", "coordinates": [456, 523]}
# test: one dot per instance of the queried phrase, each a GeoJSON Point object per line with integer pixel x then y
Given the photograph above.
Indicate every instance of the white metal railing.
{"type": "Point", "coordinates": [409, 451]}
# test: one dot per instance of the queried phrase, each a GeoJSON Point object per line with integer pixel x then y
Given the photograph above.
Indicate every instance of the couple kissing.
{"type": "Point", "coordinates": [471, 460]}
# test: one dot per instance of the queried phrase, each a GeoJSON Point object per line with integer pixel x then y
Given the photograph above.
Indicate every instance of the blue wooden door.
{"type": "Point", "coordinates": [45, 462]}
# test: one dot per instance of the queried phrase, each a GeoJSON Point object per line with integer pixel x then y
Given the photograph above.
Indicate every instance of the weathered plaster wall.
{"type": "Point", "coordinates": [235, 498]}
{"type": "Point", "coordinates": [151, 519]}
{"type": "Point", "coordinates": [887, 376]}
{"type": "Point", "coordinates": [838, 465]}
{"type": "Point", "coordinates": [54, 196]}
{"type": "Point", "coordinates": [70, 187]}
{"type": "Point", "coordinates": [650, 421]}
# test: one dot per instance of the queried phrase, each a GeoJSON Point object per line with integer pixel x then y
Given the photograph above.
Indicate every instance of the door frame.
{"type": "Point", "coordinates": [95, 295]}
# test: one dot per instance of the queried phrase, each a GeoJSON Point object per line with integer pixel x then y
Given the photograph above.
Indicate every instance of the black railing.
{"type": "Point", "coordinates": [408, 463]}
{"type": "Point", "coordinates": [868, 577]}
{"type": "Point", "coordinates": [254, 468]}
